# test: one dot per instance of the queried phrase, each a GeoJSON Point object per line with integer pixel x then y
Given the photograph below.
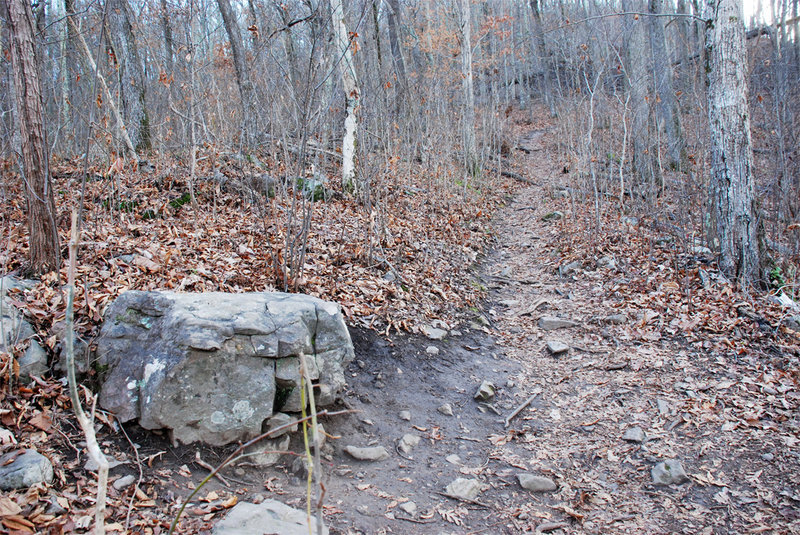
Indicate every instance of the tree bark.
{"type": "Point", "coordinates": [397, 54]}
{"type": "Point", "coordinates": [45, 253]}
{"type": "Point", "coordinates": [168, 40]}
{"type": "Point", "coordinates": [543, 60]}
{"type": "Point", "coordinates": [352, 94]}
{"type": "Point", "coordinates": [468, 116]}
{"type": "Point", "coordinates": [130, 73]}
{"type": "Point", "coordinates": [735, 217]}
{"type": "Point", "coordinates": [242, 70]}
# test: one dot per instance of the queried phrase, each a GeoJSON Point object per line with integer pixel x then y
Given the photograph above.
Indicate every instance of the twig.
{"type": "Point", "coordinates": [414, 520]}
{"type": "Point", "coordinates": [138, 482]}
{"type": "Point", "coordinates": [210, 468]}
{"type": "Point", "coordinates": [462, 499]}
{"type": "Point", "coordinates": [520, 408]}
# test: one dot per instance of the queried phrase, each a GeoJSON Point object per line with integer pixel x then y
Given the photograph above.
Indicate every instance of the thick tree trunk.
{"type": "Point", "coordinates": [242, 70]}
{"type": "Point", "coordinates": [168, 41]}
{"type": "Point", "coordinates": [668, 117]}
{"type": "Point", "coordinates": [468, 116]}
{"type": "Point", "coordinates": [352, 94]}
{"type": "Point", "coordinates": [734, 212]}
{"type": "Point", "coordinates": [542, 57]}
{"type": "Point", "coordinates": [130, 73]}
{"type": "Point", "coordinates": [45, 253]}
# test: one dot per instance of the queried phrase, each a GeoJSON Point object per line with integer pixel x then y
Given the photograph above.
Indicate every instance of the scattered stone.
{"type": "Point", "coordinates": [702, 250]}
{"type": "Point", "coordinates": [631, 221]}
{"type": "Point", "coordinates": [553, 216]}
{"type": "Point", "coordinates": [300, 466]}
{"type": "Point", "coordinates": [466, 489]}
{"type": "Point", "coordinates": [506, 272]}
{"type": "Point", "coordinates": [485, 392]}
{"type": "Point", "coordinates": [556, 347]}
{"type": "Point", "coordinates": [408, 443]}
{"type": "Point", "coordinates": [124, 481]}
{"type": "Point", "coordinates": [769, 456]}
{"type": "Point", "coordinates": [389, 276]}
{"type": "Point", "coordinates": [663, 407]}
{"type": "Point", "coordinates": [363, 509]}
{"type": "Point", "coordinates": [566, 270]}
{"type": "Point", "coordinates": [446, 409]}
{"type": "Point", "coordinates": [376, 453]}
{"type": "Point", "coordinates": [617, 319]}
{"type": "Point", "coordinates": [453, 459]}
{"type": "Point", "coordinates": [664, 240]}
{"type": "Point", "coordinates": [455, 332]}
{"type": "Point", "coordinates": [792, 322]}
{"type": "Point", "coordinates": [549, 323]}
{"type": "Point", "coordinates": [433, 333]}
{"type": "Point", "coordinates": [405, 415]}
{"type": "Point", "coordinates": [410, 508]}
{"type": "Point", "coordinates": [634, 434]}
{"type": "Point", "coordinates": [267, 452]}
{"type": "Point", "coordinates": [606, 262]}
{"type": "Point", "coordinates": [280, 419]}
{"type": "Point", "coordinates": [432, 350]}
{"type": "Point", "coordinates": [23, 470]}
{"type": "Point", "coordinates": [251, 519]}
{"type": "Point", "coordinates": [536, 483]}
{"type": "Point", "coordinates": [669, 472]}
{"type": "Point", "coordinates": [34, 360]}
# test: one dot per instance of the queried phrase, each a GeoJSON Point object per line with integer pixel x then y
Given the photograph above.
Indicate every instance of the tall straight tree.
{"type": "Point", "coordinates": [130, 73]}
{"type": "Point", "coordinates": [468, 115]}
{"type": "Point", "coordinates": [44, 245]}
{"type": "Point", "coordinates": [352, 94]}
{"type": "Point", "coordinates": [241, 67]}
{"type": "Point", "coordinates": [734, 213]}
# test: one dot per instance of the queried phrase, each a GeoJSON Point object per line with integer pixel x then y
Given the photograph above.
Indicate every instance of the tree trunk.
{"type": "Point", "coordinates": [242, 70]}
{"type": "Point", "coordinates": [130, 73]}
{"type": "Point", "coordinates": [542, 58]}
{"type": "Point", "coordinates": [397, 54]}
{"type": "Point", "coordinates": [45, 253]}
{"type": "Point", "coordinates": [734, 213]}
{"type": "Point", "coordinates": [352, 94]}
{"type": "Point", "coordinates": [668, 117]}
{"type": "Point", "coordinates": [468, 117]}
{"type": "Point", "coordinates": [168, 41]}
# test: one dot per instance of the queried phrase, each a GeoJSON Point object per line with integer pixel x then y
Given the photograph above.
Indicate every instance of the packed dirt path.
{"type": "Point", "coordinates": [614, 404]}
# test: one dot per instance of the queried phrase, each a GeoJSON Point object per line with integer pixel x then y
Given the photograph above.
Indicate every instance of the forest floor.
{"type": "Point", "coordinates": [660, 359]}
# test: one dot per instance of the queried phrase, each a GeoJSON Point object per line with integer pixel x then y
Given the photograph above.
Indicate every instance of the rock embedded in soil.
{"type": "Point", "coordinates": [465, 489]}
{"type": "Point", "coordinates": [663, 407]}
{"type": "Point", "coordinates": [375, 453]}
{"type": "Point", "coordinates": [279, 420]}
{"type": "Point", "coordinates": [617, 319]}
{"type": "Point", "coordinates": [408, 442]}
{"type": "Point", "coordinates": [446, 409]}
{"type": "Point", "coordinates": [556, 347]}
{"type": "Point", "coordinates": [634, 434]}
{"type": "Point", "coordinates": [433, 333]}
{"type": "Point", "coordinates": [453, 459]}
{"type": "Point", "coordinates": [568, 269]}
{"type": "Point", "coordinates": [432, 350]}
{"type": "Point", "coordinates": [669, 472]}
{"type": "Point", "coordinates": [410, 508]}
{"type": "Point", "coordinates": [267, 452]}
{"type": "Point", "coordinates": [606, 262]}
{"type": "Point", "coordinates": [16, 330]}
{"type": "Point", "coordinates": [23, 470]}
{"type": "Point", "coordinates": [405, 415]}
{"type": "Point", "coordinates": [270, 515]}
{"type": "Point", "coordinates": [553, 216]}
{"type": "Point", "coordinates": [124, 481]}
{"type": "Point", "coordinates": [550, 323]}
{"type": "Point", "coordinates": [485, 392]}
{"type": "Point", "coordinates": [535, 483]}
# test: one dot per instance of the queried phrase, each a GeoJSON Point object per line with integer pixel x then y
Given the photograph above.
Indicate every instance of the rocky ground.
{"type": "Point", "coordinates": [590, 393]}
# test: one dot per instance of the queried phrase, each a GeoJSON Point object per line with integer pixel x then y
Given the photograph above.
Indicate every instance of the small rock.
{"type": "Point", "coordinates": [251, 519]}
{"type": "Point", "coordinates": [433, 333]}
{"type": "Point", "coordinates": [300, 466]}
{"type": "Point", "coordinates": [376, 453]}
{"type": "Point", "coordinates": [363, 509]}
{"type": "Point", "coordinates": [485, 391]}
{"type": "Point", "coordinates": [408, 442]}
{"type": "Point", "coordinates": [617, 319]}
{"type": "Point", "coordinates": [124, 481]}
{"type": "Point", "coordinates": [702, 250]}
{"type": "Point", "coordinates": [769, 456]}
{"type": "Point", "coordinates": [506, 271]}
{"type": "Point", "coordinates": [663, 407]}
{"type": "Point", "coordinates": [446, 409]}
{"type": "Point", "coordinates": [792, 323]}
{"type": "Point", "coordinates": [453, 459]}
{"type": "Point", "coordinates": [405, 415]}
{"type": "Point", "coordinates": [536, 483]}
{"type": "Point", "coordinates": [668, 472]}
{"type": "Point", "coordinates": [549, 323]}
{"type": "Point", "coordinates": [464, 488]}
{"type": "Point", "coordinates": [634, 434]}
{"type": "Point", "coordinates": [389, 276]}
{"type": "Point", "coordinates": [553, 216]}
{"type": "Point", "coordinates": [568, 269]}
{"type": "Point", "coordinates": [432, 350]}
{"type": "Point", "coordinates": [607, 262]}
{"type": "Point", "coordinates": [631, 221]}
{"type": "Point", "coordinates": [556, 347]}
{"type": "Point", "coordinates": [410, 508]}
{"type": "Point", "coordinates": [267, 452]}
{"type": "Point", "coordinates": [455, 332]}
{"type": "Point", "coordinates": [280, 419]}
{"type": "Point", "coordinates": [20, 471]}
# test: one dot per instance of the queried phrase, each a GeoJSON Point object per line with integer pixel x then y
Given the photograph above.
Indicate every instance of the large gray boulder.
{"type": "Point", "coordinates": [34, 360]}
{"type": "Point", "coordinates": [23, 469]}
{"type": "Point", "coordinates": [211, 367]}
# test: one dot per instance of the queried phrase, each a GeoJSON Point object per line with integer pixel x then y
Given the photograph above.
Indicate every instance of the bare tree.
{"type": "Point", "coordinates": [242, 70]}
{"type": "Point", "coordinates": [734, 212]}
{"type": "Point", "coordinates": [45, 254]}
{"type": "Point", "coordinates": [468, 113]}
